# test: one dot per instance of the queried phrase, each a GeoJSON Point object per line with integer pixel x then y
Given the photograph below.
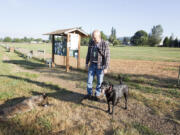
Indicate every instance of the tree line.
{"type": "Point", "coordinates": [21, 40]}
{"type": "Point", "coordinates": [140, 38]}
{"type": "Point", "coordinates": [171, 42]}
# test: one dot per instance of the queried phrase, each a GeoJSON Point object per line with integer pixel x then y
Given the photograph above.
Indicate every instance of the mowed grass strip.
{"type": "Point", "coordinates": [120, 52]}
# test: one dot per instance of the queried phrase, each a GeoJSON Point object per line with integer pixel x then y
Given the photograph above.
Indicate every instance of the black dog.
{"type": "Point", "coordinates": [114, 93]}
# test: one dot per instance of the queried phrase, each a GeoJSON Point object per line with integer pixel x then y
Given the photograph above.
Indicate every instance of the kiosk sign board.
{"type": "Point", "coordinates": [60, 48]}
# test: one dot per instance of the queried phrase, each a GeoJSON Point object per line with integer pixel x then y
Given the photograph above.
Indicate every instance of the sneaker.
{"type": "Point", "coordinates": [89, 97]}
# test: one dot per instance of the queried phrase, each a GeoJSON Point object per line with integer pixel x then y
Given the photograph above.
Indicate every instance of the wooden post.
{"type": "Point", "coordinates": [79, 58]}
{"type": "Point", "coordinates": [67, 53]}
{"type": "Point", "coordinates": [179, 77]}
{"type": "Point", "coordinates": [64, 61]}
{"type": "Point", "coordinates": [52, 48]}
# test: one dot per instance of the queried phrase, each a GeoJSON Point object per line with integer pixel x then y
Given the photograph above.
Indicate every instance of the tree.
{"type": "Point", "coordinates": [38, 40]}
{"type": "Point", "coordinates": [103, 36]}
{"type": "Point", "coordinates": [140, 38]}
{"type": "Point", "coordinates": [112, 37]}
{"type": "Point", "coordinates": [176, 43]}
{"type": "Point", "coordinates": [171, 41]}
{"type": "Point", "coordinates": [156, 35]}
{"type": "Point", "coordinates": [25, 39]}
{"type": "Point", "coordinates": [116, 42]}
{"type": "Point", "coordinates": [126, 40]}
{"type": "Point", "coordinates": [166, 42]}
{"type": "Point", "coordinates": [7, 39]}
{"type": "Point", "coordinates": [58, 39]}
{"type": "Point", "coordinates": [85, 41]}
{"type": "Point", "coordinates": [17, 40]}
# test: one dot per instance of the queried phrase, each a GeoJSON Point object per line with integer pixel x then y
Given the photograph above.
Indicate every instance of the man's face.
{"type": "Point", "coordinates": [97, 36]}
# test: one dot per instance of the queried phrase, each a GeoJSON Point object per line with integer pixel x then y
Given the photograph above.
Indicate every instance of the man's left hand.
{"type": "Point", "coordinates": [105, 71]}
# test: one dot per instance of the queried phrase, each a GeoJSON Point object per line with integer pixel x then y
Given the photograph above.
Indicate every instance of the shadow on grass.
{"type": "Point", "coordinates": [26, 64]}
{"type": "Point", "coordinates": [11, 102]}
{"type": "Point", "coordinates": [60, 93]}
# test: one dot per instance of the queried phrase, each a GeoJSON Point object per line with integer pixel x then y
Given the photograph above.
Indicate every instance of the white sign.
{"type": "Point", "coordinates": [68, 44]}
{"type": "Point", "coordinates": [74, 40]}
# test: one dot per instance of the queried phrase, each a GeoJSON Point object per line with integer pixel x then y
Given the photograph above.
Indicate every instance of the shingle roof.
{"type": "Point", "coordinates": [66, 31]}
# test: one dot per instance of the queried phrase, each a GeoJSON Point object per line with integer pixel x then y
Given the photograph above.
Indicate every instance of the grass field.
{"type": "Point", "coordinates": [153, 105]}
{"type": "Point", "coordinates": [124, 52]}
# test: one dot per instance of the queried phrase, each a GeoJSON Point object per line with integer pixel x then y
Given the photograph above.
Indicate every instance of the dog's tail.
{"type": "Point", "coordinates": [120, 79]}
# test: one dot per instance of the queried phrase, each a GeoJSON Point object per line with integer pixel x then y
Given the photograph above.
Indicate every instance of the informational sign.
{"type": "Point", "coordinates": [74, 40]}
{"type": "Point", "coordinates": [60, 48]}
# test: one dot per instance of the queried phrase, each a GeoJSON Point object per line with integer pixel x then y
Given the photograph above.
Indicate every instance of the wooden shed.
{"type": "Point", "coordinates": [67, 33]}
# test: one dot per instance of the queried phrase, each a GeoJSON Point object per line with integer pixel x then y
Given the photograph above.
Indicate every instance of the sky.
{"type": "Point", "coordinates": [33, 18]}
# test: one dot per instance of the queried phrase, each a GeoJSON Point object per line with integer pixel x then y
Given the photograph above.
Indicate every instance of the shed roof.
{"type": "Point", "coordinates": [64, 32]}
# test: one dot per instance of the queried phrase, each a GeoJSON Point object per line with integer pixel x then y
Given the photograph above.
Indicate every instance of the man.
{"type": "Point", "coordinates": [97, 63]}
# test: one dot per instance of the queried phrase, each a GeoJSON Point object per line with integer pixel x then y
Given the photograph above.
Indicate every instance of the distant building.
{"type": "Point", "coordinates": [33, 42]}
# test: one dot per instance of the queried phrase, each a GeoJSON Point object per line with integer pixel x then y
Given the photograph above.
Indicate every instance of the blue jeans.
{"type": "Point", "coordinates": [93, 70]}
